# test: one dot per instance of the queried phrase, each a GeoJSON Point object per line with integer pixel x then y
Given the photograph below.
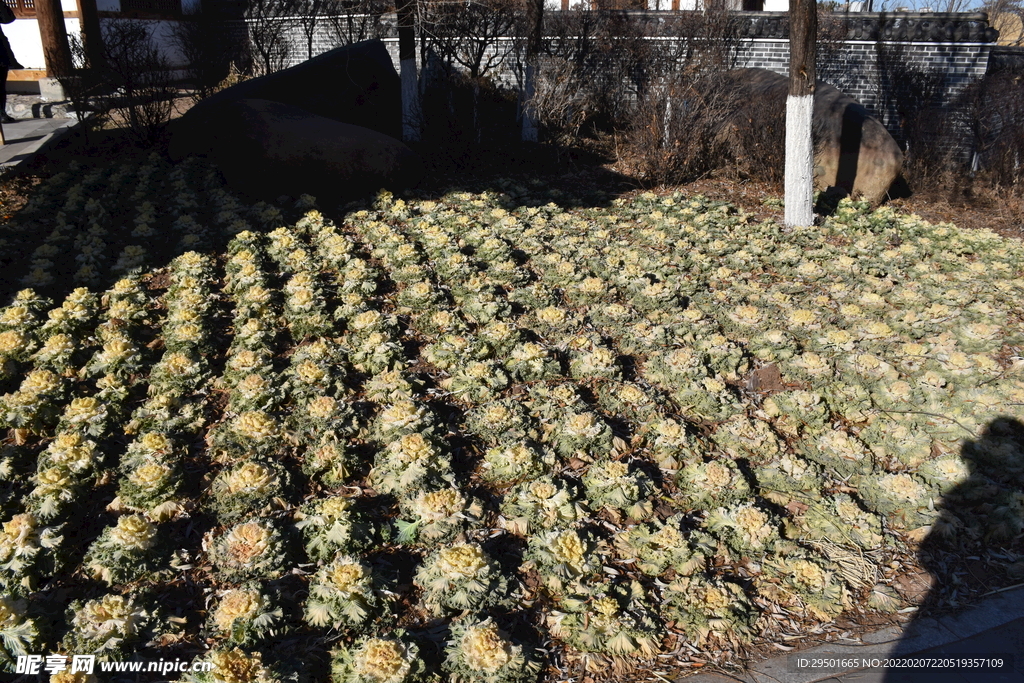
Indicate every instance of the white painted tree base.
{"type": "Point", "coordinates": [799, 161]}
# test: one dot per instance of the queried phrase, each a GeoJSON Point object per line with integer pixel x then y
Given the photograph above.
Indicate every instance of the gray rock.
{"type": "Point", "coordinates": [853, 152]}
{"type": "Point", "coordinates": [265, 149]}
{"type": "Point", "coordinates": [356, 84]}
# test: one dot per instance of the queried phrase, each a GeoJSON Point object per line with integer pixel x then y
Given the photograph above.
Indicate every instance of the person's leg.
{"type": "Point", "coordinates": [4, 117]}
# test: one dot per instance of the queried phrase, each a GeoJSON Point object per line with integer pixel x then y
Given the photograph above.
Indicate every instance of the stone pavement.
{"type": "Point", "coordinates": [25, 137]}
{"type": "Point", "coordinates": [35, 107]}
{"type": "Point", "coordinates": [993, 627]}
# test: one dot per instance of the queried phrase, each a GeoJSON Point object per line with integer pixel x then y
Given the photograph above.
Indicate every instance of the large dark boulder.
{"type": "Point", "coordinates": [356, 84]}
{"type": "Point", "coordinates": [853, 152]}
{"type": "Point", "coordinates": [266, 149]}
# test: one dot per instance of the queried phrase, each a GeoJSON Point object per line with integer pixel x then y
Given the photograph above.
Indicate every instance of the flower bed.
{"type": "Point", "coordinates": [488, 438]}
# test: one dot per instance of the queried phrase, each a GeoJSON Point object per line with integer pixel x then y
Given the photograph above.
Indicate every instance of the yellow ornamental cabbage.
{"type": "Point", "coordinates": [402, 414]}
{"type": "Point", "coordinates": [551, 316]}
{"type": "Point", "coordinates": [568, 548]}
{"type": "Point", "coordinates": [365, 321]}
{"type": "Point", "coordinates": [55, 481]}
{"type": "Point", "coordinates": [155, 442]}
{"type": "Point", "coordinates": [179, 365]}
{"type": "Point", "coordinates": [14, 342]}
{"type": "Point", "coordinates": [247, 542]}
{"type": "Point", "coordinates": [56, 345]}
{"type": "Point", "coordinates": [746, 315]}
{"type": "Point", "coordinates": [310, 373]}
{"type": "Point", "coordinates": [255, 425]}
{"type": "Point", "coordinates": [245, 362]}
{"type": "Point", "coordinates": [236, 666]}
{"type": "Point", "coordinates": [382, 661]}
{"type": "Point", "coordinates": [253, 387]}
{"type": "Point", "coordinates": [134, 532]}
{"type": "Point", "coordinates": [151, 476]}
{"type": "Point", "coordinates": [20, 530]}
{"type": "Point", "coordinates": [347, 576]}
{"type": "Point", "coordinates": [186, 332]}
{"type": "Point", "coordinates": [484, 649]}
{"type": "Point", "coordinates": [84, 409]}
{"type": "Point", "coordinates": [108, 620]}
{"type": "Point", "coordinates": [434, 506]}
{"type": "Point", "coordinates": [462, 561]}
{"type": "Point", "coordinates": [72, 451]}
{"type": "Point", "coordinates": [251, 477]}
{"type": "Point", "coordinates": [16, 316]}
{"type": "Point", "coordinates": [411, 448]}
{"type": "Point", "coordinates": [40, 382]}
{"type": "Point", "coordinates": [322, 408]}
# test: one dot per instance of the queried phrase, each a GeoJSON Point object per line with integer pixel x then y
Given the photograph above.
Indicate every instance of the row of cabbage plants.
{"type": "Point", "coordinates": [480, 436]}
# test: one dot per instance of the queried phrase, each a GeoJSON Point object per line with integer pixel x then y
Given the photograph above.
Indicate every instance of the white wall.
{"type": "Point", "coordinates": [26, 43]}
{"type": "Point", "coordinates": [776, 5]}
{"type": "Point", "coordinates": [28, 46]}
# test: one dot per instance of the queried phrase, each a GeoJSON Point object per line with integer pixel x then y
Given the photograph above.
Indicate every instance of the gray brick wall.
{"type": "Point", "coordinates": [852, 66]}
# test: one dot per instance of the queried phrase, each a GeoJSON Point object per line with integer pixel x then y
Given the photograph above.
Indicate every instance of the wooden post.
{"type": "Point", "coordinates": [803, 30]}
{"type": "Point", "coordinates": [54, 37]}
{"type": "Point", "coordinates": [89, 20]}
{"type": "Point", "coordinates": [406, 11]}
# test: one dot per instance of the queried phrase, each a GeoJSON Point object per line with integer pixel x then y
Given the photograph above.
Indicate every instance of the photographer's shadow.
{"type": "Point", "coordinates": [974, 550]}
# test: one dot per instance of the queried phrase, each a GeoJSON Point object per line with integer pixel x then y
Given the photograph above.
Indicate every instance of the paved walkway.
{"type": "Point", "coordinates": [25, 137]}
{"type": "Point", "coordinates": [993, 627]}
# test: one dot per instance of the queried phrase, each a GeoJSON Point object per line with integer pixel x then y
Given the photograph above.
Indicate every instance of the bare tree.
{"type": "Point", "coordinates": [269, 47]}
{"type": "Point", "coordinates": [351, 22]}
{"type": "Point", "coordinates": [470, 34]}
{"type": "Point", "coordinates": [832, 61]}
{"type": "Point", "coordinates": [140, 76]}
{"type": "Point", "coordinates": [202, 39]}
{"type": "Point", "coordinates": [81, 84]}
{"type": "Point", "coordinates": [1007, 16]}
{"type": "Point", "coordinates": [472, 40]}
{"type": "Point", "coordinates": [310, 16]}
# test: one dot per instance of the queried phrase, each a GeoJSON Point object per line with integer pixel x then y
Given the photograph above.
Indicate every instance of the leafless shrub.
{"type": "Point", "coordinates": [833, 63]}
{"type": "Point", "coordinates": [993, 109]}
{"type": "Point", "coordinates": [758, 150]}
{"type": "Point", "coordinates": [911, 103]}
{"type": "Point", "coordinates": [468, 44]}
{"type": "Point", "coordinates": [356, 20]}
{"type": "Point", "coordinates": [204, 41]}
{"type": "Point", "coordinates": [675, 134]}
{"type": "Point", "coordinates": [471, 36]}
{"type": "Point", "coordinates": [674, 131]}
{"type": "Point", "coordinates": [140, 77]}
{"type": "Point", "coordinates": [82, 85]}
{"type": "Point", "coordinates": [269, 47]}
{"type": "Point", "coordinates": [310, 15]}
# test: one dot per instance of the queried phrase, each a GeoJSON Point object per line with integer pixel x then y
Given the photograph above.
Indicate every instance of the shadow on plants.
{"type": "Point", "coordinates": [981, 521]}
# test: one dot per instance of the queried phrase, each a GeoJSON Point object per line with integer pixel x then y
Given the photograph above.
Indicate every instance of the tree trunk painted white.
{"type": "Point", "coordinates": [799, 161]}
{"type": "Point", "coordinates": [410, 101]}
{"type": "Point", "coordinates": [803, 31]}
